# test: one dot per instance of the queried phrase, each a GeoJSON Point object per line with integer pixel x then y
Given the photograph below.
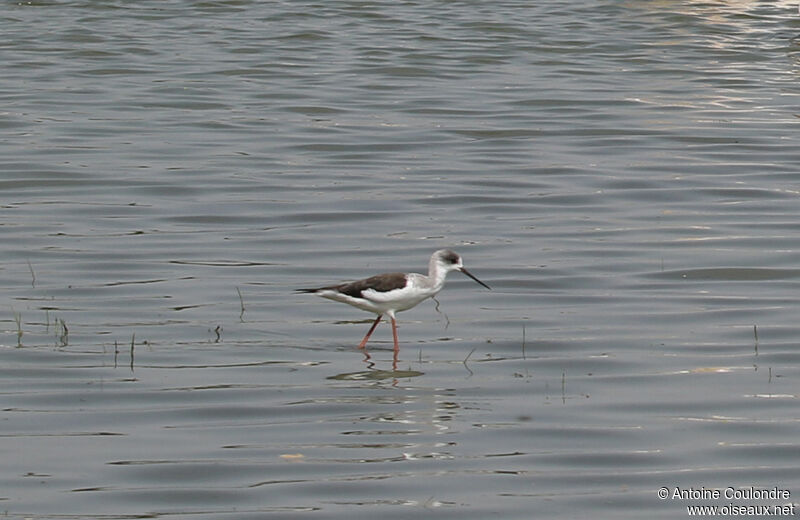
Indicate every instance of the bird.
{"type": "Point", "coordinates": [389, 293]}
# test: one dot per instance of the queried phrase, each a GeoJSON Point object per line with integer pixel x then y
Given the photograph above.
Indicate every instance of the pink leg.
{"type": "Point", "coordinates": [371, 330]}
{"type": "Point", "coordinates": [394, 336]}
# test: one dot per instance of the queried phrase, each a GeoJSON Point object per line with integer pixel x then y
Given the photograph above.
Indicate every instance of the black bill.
{"type": "Point", "coordinates": [474, 278]}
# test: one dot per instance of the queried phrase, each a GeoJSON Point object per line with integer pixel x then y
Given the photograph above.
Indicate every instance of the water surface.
{"type": "Point", "coordinates": [623, 174]}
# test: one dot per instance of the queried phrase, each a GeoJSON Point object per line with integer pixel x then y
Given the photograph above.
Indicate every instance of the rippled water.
{"type": "Point", "coordinates": [625, 175]}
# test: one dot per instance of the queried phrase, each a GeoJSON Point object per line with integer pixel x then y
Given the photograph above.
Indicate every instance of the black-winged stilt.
{"type": "Point", "coordinates": [389, 293]}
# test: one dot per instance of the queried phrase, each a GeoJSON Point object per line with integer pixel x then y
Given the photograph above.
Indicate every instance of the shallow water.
{"type": "Point", "coordinates": [623, 174]}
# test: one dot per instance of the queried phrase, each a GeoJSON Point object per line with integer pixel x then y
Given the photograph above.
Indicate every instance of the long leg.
{"type": "Point", "coordinates": [394, 336]}
{"type": "Point", "coordinates": [369, 333]}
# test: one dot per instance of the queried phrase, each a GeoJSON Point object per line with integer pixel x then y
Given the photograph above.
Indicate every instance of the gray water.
{"type": "Point", "coordinates": [624, 174]}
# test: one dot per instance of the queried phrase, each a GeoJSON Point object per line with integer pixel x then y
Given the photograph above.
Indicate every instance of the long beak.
{"type": "Point", "coordinates": [473, 277]}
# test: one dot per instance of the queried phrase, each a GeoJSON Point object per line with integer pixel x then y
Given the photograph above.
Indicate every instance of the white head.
{"type": "Point", "coordinates": [445, 260]}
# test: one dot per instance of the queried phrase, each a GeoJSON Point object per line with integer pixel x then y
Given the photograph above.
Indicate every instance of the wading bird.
{"type": "Point", "coordinates": [389, 293]}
